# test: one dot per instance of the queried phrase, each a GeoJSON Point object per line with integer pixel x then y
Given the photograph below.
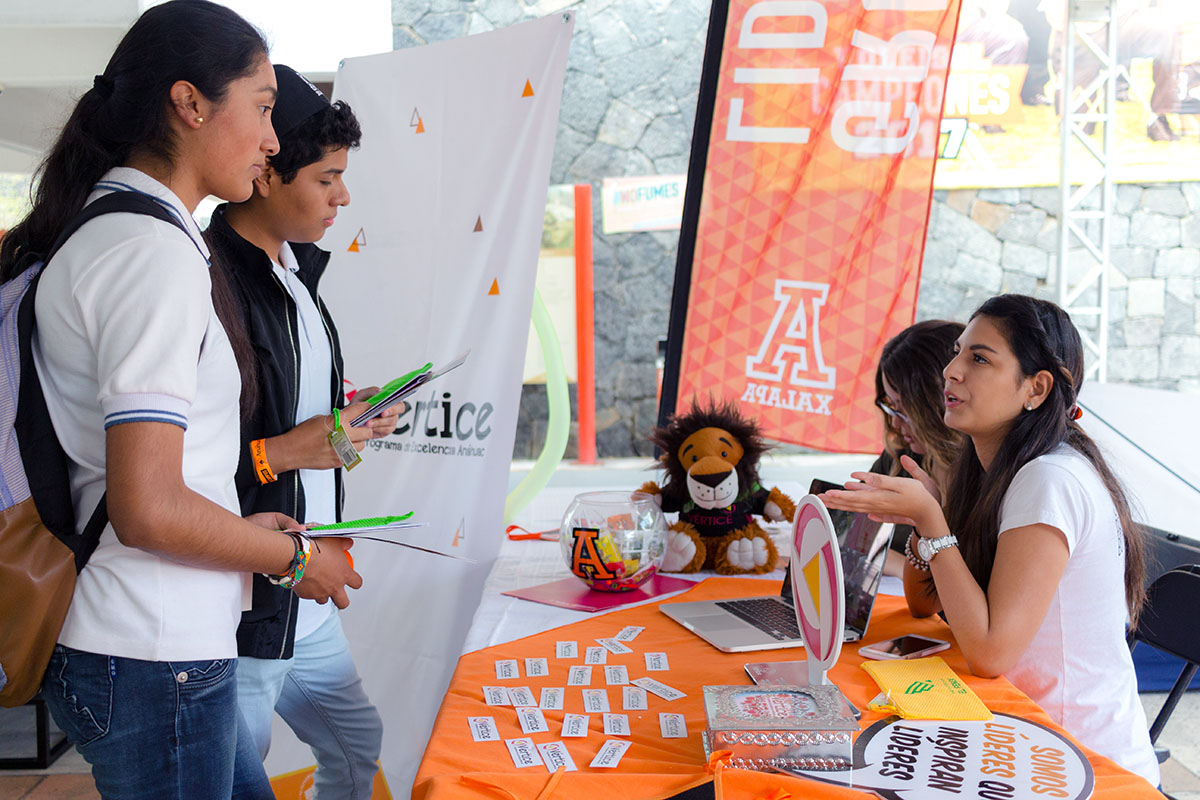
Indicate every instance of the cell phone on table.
{"type": "Point", "coordinates": [903, 647]}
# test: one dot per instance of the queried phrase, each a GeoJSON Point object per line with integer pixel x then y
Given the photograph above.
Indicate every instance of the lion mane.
{"type": "Point", "coordinates": [670, 437]}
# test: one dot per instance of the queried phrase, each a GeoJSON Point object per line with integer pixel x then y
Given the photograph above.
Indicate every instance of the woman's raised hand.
{"type": "Point", "coordinates": [914, 469]}
{"type": "Point", "coordinates": [904, 501]}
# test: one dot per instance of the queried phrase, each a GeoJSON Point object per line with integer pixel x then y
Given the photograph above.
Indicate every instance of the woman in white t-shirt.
{"type": "Point", "coordinates": [142, 389]}
{"type": "Point", "coordinates": [1035, 561]}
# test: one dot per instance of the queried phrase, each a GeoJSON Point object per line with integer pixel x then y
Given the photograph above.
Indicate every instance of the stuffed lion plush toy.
{"type": "Point", "coordinates": [711, 460]}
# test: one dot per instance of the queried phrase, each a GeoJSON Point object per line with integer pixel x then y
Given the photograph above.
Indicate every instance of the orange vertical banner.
{"type": "Point", "coordinates": [815, 200]}
{"type": "Point", "coordinates": [585, 326]}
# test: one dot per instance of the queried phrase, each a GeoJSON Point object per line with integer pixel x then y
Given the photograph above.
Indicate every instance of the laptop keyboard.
{"type": "Point", "coordinates": [768, 615]}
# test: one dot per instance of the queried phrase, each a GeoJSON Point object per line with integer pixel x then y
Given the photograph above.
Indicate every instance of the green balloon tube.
{"type": "Point", "coordinates": [559, 426]}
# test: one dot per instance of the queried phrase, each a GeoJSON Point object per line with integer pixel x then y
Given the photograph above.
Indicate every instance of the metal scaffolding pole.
{"type": "Point", "coordinates": [1086, 196]}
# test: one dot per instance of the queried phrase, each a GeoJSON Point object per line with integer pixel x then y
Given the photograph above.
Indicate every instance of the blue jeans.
{"type": "Point", "coordinates": [320, 696]}
{"type": "Point", "coordinates": [250, 780]}
{"type": "Point", "coordinates": [150, 729]}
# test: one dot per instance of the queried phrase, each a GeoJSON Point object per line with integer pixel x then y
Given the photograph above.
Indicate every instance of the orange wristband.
{"type": "Point", "coordinates": [262, 469]}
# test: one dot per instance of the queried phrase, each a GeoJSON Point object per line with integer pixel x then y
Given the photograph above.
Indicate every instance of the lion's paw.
{"type": "Point", "coordinates": [747, 553]}
{"type": "Point", "coordinates": [681, 549]}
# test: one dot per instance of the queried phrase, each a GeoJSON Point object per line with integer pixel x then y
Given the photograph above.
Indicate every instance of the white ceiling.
{"type": "Point", "coordinates": [29, 119]}
{"type": "Point", "coordinates": [51, 49]}
{"type": "Point", "coordinates": [69, 12]}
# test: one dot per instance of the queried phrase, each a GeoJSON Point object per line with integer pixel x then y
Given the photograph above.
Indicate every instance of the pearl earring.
{"type": "Point", "coordinates": [1028, 406]}
{"type": "Point", "coordinates": [199, 120]}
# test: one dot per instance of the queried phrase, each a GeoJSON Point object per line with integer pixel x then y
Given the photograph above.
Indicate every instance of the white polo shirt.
{"type": "Point", "coordinates": [126, 332]}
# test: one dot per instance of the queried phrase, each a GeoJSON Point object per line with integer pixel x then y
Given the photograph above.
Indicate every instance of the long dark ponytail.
{"type": "Point", "coordinates": [126, 111]}
{"type": "Point", "coordinates": [1042, 337]}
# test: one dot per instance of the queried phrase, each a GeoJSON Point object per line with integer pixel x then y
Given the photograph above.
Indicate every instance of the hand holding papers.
{"type": "Point", "coordinates": [375, 529]}
{"type": "Point", "coordinates": [364, 528]}
{"type": "Point", "coordinates": [402, 387]}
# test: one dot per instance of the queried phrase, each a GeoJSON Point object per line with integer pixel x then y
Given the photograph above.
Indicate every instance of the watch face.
{"type": "Point", "coordinates": [924, 549]}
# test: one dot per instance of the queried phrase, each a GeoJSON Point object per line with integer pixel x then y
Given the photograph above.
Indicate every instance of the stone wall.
{"type": "Point", "coordinates": [1006, 240]}
{"type": "Point", "coordinates": [628, 104]}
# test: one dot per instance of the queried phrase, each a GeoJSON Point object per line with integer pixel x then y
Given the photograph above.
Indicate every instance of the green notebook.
{"type": "Point", "coordinates": [366, 522]}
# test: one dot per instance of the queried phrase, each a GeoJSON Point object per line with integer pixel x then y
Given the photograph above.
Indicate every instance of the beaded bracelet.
{"type": "Point", "coordinates": [295, 571]}
{"type": "Point", "coordinates": [277, 579]}
{"type": "Point", "coordinates": [913, 558]}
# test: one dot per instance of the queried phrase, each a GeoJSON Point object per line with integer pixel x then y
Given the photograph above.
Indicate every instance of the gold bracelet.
{"type": "Point", "coordinates": [262, 469]}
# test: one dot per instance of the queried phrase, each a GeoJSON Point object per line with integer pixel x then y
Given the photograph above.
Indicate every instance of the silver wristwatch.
{"type": "Point", "coordinates": [928, 548]}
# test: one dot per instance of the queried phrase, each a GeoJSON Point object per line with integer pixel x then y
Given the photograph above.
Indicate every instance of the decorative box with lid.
{"type": "Point", "coordinates": [791, 727]}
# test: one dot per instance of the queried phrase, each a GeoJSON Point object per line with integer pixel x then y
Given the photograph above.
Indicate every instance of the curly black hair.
{"type": "Point", "coordinates": [332, 128]}
{"type": "Point", "coordinates": [713, 414]}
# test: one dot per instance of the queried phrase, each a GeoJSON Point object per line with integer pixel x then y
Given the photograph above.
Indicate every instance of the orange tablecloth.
{"type": "Point", "coordinates": [454, 766]}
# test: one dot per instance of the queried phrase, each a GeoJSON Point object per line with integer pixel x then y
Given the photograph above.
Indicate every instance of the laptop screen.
{"type": "Point", "coordinates": [863, 545]}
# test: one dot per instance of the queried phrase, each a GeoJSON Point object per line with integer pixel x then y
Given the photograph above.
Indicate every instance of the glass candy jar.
{"type": "Point", "coordinates": [613, 541]}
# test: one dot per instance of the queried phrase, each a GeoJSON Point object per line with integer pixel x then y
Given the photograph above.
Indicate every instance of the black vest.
{"type": "Point", "coordinates": [268, 629]}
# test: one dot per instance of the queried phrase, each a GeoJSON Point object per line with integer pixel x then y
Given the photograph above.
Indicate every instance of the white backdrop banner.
{"type": "Point", "coordinates": [437, 254]}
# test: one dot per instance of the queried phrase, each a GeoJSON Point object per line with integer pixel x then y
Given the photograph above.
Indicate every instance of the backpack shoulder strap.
{"type": "Point", "coordinates": [116, 202]}
{"type": "Point", "coordinates": [51, 487]}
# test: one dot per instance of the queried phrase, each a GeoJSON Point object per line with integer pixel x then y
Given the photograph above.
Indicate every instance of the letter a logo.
{"type": "Point", "coordinates": [791, 349]}
{"type": "Point", "coordinates": [585, 558]}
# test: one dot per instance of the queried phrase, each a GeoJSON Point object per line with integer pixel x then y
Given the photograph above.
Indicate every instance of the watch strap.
{"type": "Point", "coordinates": [937, 545]}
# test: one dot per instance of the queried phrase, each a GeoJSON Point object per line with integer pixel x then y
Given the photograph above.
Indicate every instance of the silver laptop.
{"type": "Point", "coordinates": [769, 623]}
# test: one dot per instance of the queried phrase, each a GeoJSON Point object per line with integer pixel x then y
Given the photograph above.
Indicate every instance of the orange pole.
{"type": "Point", "coordinates": [585, 344]}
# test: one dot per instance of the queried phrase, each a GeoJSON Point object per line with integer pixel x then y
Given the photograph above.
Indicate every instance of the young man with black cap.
{"type": "Point", "coordinates": [293, 656]}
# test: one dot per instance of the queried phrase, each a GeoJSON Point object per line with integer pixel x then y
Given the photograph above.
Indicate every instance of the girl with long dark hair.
{"type": "Point", "coordinates": [1035, 561]}
{"type": "Point", "coordinates": [908, 390]}
{"type": "Point", "coordinates": [142, 388]}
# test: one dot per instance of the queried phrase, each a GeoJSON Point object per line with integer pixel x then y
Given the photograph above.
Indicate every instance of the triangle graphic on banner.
{"type": "Point", "coordinates": [478, 225]}
{"type": "Point", "coordinates": [460, 534]}
{"type": "Point", "coordinates": [495, 287]}
{"type": "Point", "coordinates": [528, 89]}
{"type": "Point", "coordinates": [360, 240]}
{"type": "Point", "coordinates": [416, 122]}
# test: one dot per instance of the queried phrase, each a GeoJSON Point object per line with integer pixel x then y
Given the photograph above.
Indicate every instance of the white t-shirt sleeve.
{"type": "Point", "coordinates": [139, 304]}
{"type": "Point", "coordinates": [1045, 493]}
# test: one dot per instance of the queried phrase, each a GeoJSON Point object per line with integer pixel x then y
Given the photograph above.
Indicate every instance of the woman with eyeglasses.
{"type": "Point", "coordinates": [908, 390]}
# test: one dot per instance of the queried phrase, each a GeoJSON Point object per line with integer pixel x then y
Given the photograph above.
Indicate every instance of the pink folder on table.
{"type": "Point", "coordinates": [574, 594]}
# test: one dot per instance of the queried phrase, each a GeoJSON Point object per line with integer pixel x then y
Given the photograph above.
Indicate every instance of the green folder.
{"type": "Point", "coordinates": [402, 387]}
